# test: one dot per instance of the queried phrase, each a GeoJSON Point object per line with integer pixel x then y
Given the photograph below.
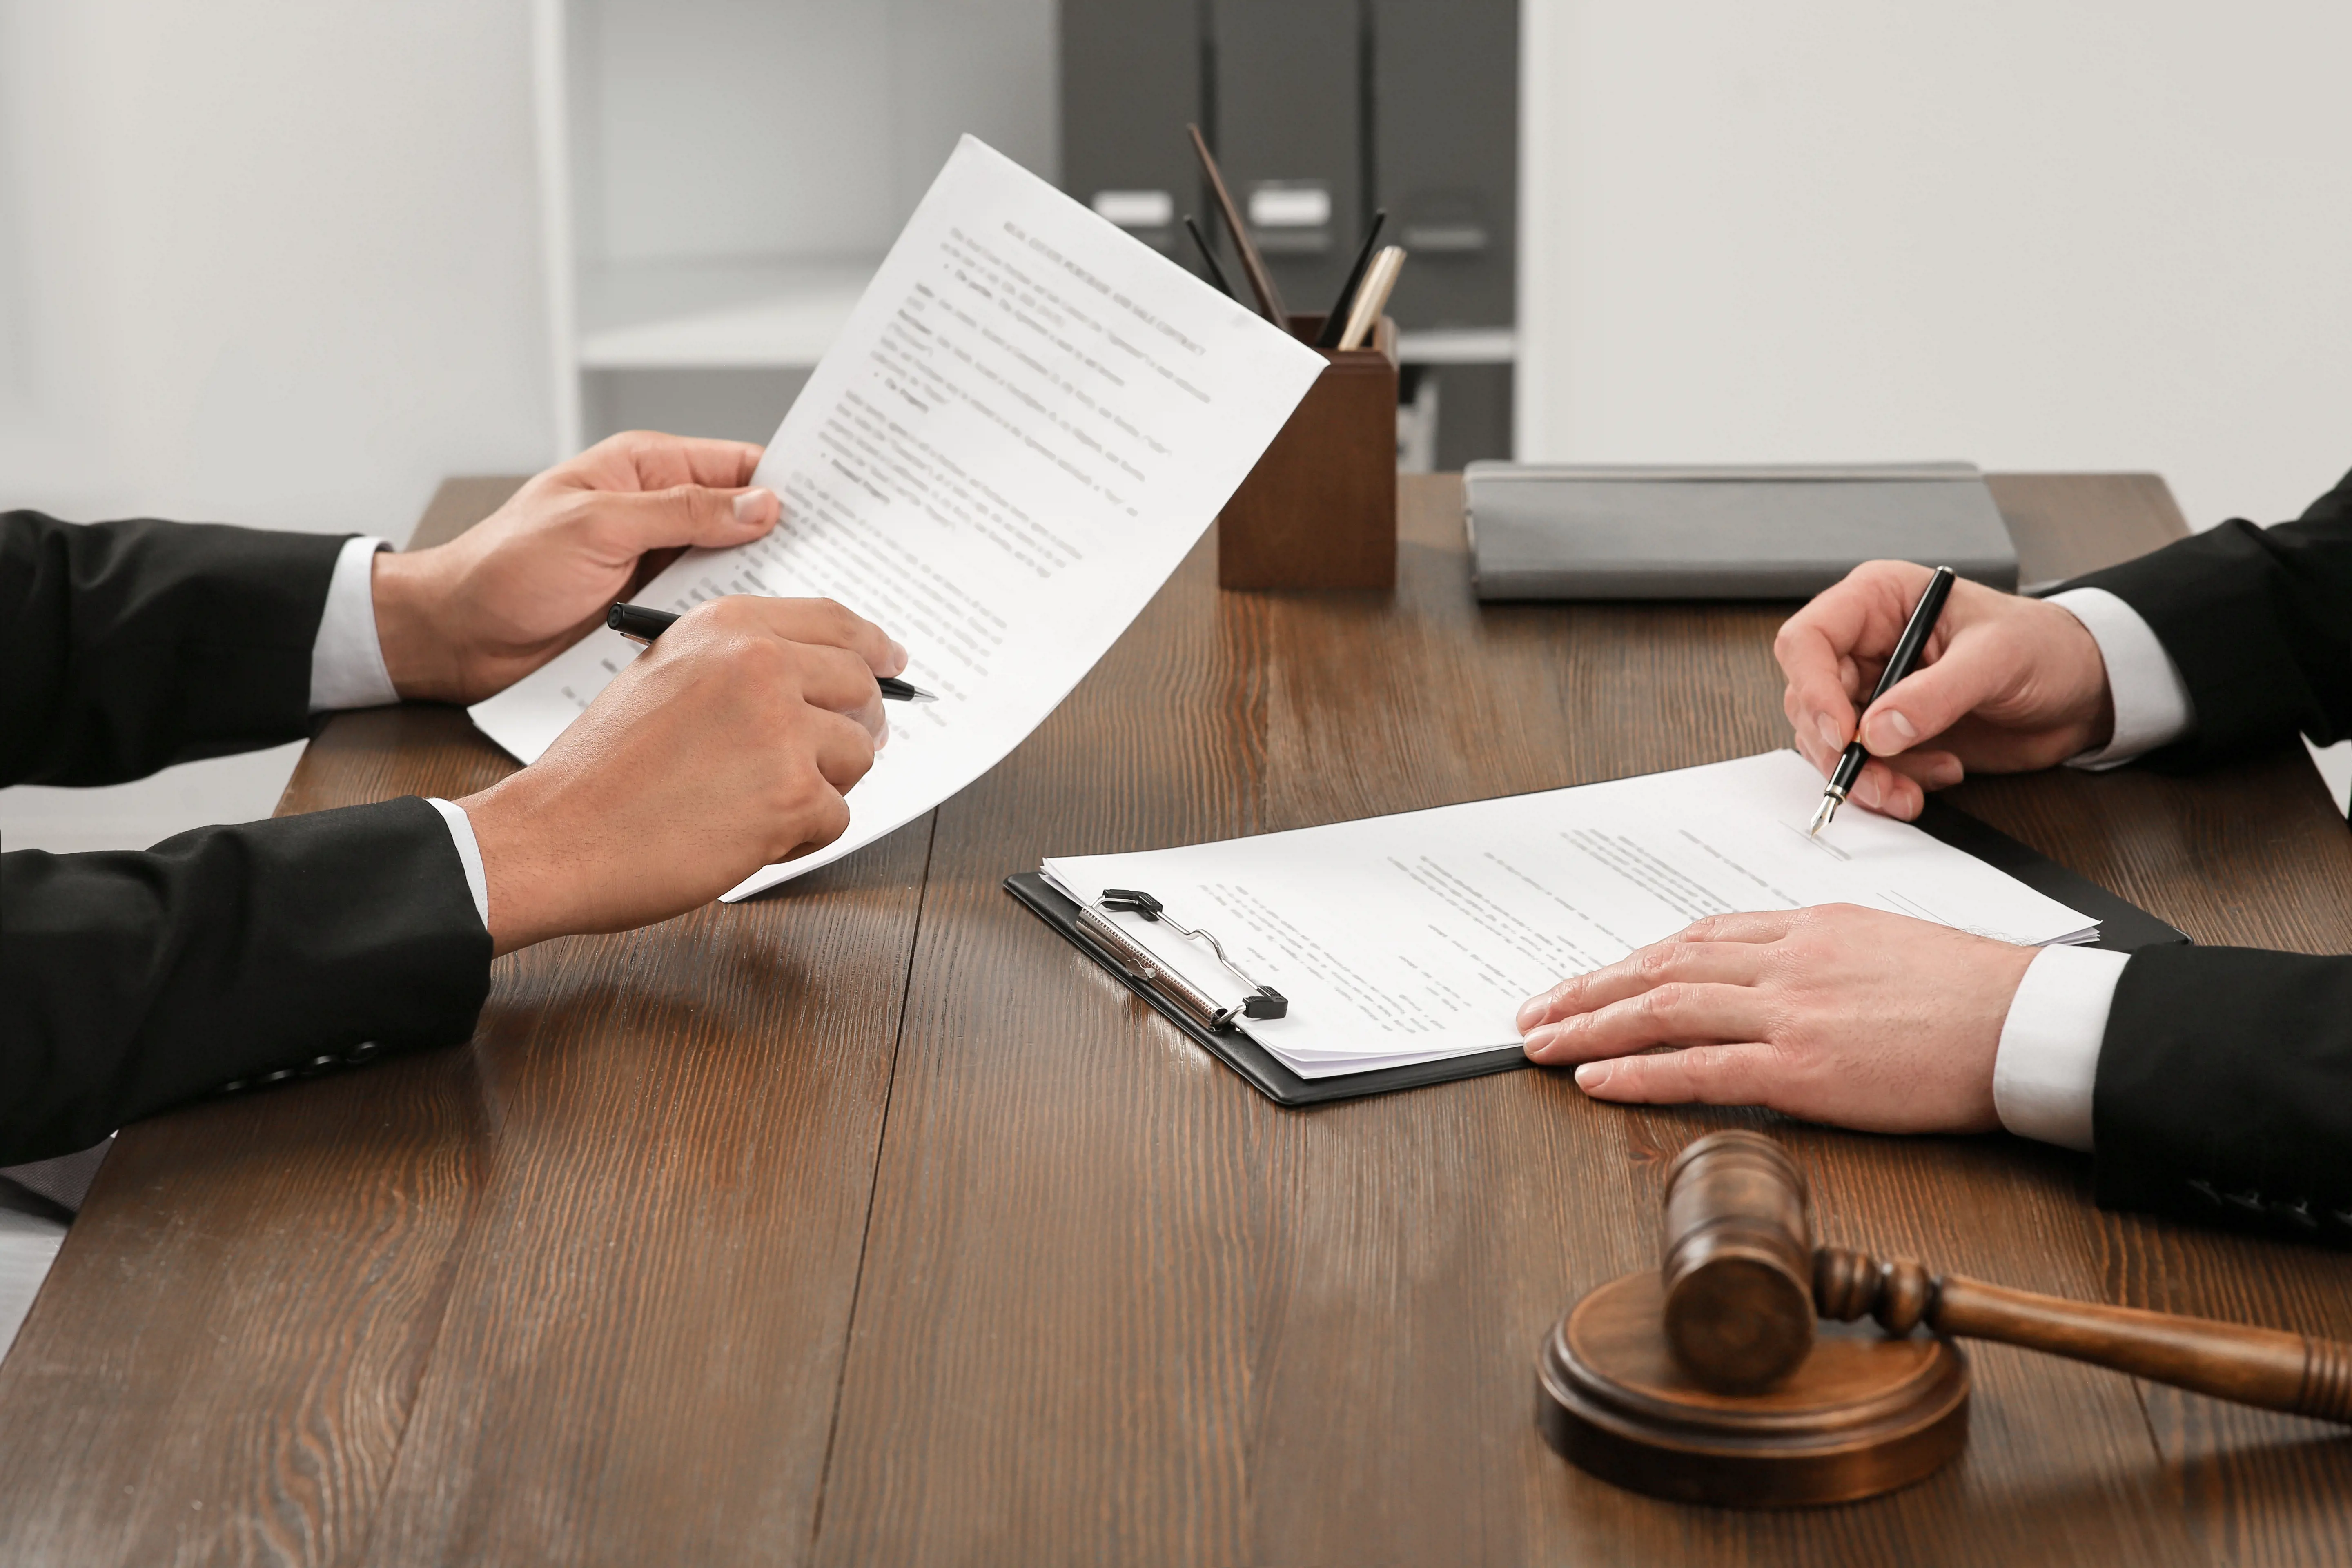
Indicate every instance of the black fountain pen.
{"type": "Point", "coordinates": [638, 624]}
{"type": "Point", "coordinates": [1905, 655]}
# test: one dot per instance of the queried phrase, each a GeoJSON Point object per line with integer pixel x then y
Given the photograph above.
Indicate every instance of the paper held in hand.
{"type": "Point", "coordinates": [1409, 939]}
{"type": "Point", "coordinates": [1030, 419]}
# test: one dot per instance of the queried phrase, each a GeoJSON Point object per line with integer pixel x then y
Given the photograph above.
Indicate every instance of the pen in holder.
{"type": "Point", "coordinates": [1319, 510]}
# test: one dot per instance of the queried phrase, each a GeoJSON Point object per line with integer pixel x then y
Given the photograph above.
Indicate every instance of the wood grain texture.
{"type": "Point", "coordinates": [1136, 1313]}
{"type": "Point", "coordinates": [2066, 524]}
{"type": "Point", "coordinates": [494, 1304]}
{"type": "Point", "coordinates": [701, 1251]}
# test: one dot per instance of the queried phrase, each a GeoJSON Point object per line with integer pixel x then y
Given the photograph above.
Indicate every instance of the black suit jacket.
{"type": "Point", "coordinates": [2224, 1088]}
{"type": "Point", "coordinates": [129, 981]}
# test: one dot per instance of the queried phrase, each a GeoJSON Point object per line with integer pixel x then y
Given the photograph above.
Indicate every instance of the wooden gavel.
{"type": "Point", "coordinates": [1736, 1374]}
{"type": "Point", "coordinates": [1743, 1282]}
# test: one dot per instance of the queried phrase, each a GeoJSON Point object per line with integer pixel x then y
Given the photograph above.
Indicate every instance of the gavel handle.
{"type": "Point", "coordinates": [2266, 1367]}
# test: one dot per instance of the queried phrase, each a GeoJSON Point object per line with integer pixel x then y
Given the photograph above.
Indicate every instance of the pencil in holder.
{"type": "Point", "coordinates": [1319, 510]}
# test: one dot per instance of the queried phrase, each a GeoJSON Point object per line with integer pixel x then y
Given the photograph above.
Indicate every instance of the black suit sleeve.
{"type": "Point", "coordinates": [129, 981]}
{"type": "Point", "coordinates": [2258, 622]}
{"type": "Point", "coordinates": [132, 645]}
{"type": "Point", "coordinates": [2224, 1092]}
{"type": "Point", "coordinates": [2224, 1087]}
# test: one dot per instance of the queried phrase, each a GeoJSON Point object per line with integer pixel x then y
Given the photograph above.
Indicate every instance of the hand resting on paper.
{"type": "Point", "coordinates": [464, 620]}
{"type": "Point", "coordinates": [1836, 1014]}
{"type": "Point", "coordinates": [725, 746]}
{"type": "Point", "coordinates": [2006, 684]}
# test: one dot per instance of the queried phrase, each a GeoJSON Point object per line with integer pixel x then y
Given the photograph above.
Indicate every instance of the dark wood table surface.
{"type": "Point", "coordinates": [869, 1223]}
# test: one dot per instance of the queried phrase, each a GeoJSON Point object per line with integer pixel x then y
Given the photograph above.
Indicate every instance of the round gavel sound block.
{"type": "Point", "coordinates": [1860, 1415]}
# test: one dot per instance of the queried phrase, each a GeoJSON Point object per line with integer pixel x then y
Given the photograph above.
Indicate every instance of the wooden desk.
{"type": "Point", "coordinates": [870, 1224]}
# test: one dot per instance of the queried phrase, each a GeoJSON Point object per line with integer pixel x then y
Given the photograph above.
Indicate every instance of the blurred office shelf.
{"type": "Point", "coordinates": [1322, 112]}
{"type": "Point", "coordinates": [718, 181]}
{"type": "Point", "coordinates": [689, 315]}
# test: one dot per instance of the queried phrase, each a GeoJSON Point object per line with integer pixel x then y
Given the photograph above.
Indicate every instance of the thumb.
{"type": "Point", "coordinates": [1973, 670]}
{"type": "Point", "coordinates": [685, 514]}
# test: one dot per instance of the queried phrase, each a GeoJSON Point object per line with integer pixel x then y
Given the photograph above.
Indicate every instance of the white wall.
{"type": "Point", "coordinates": [811, 131]}
{"type": "Point", "coordinates": [2040, 233]}
{"type": "Point", "coordinates": [272, 262]}
{"type": "Point", "coordinates": [265, 263]}
{"type": "Point", "coordinates": [276, 262]}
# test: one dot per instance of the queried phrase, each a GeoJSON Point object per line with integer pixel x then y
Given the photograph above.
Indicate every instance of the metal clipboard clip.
{"type": "Point", "coordinates": [1262, 1002]}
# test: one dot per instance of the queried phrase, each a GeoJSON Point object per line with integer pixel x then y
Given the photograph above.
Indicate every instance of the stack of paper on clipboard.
{"type": "Point", "coordinates": [1410, 939]}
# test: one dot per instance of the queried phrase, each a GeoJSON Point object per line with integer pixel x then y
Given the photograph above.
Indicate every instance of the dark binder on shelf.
{"type": "Point", "coordinates": [2124, 927]}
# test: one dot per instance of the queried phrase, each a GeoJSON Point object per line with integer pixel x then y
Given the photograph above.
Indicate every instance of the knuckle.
{"type": "Point", "coordinates": [1666, 1003]}
{"type": "Point", "coordinates": [730, 611]}
{"type": "Point", "coordinates": [831, 820]}
{"type": "Point", "coordinates": [845, 622]}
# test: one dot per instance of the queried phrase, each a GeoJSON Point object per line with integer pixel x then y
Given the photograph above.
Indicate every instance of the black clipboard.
{"type": "Point", "coordinates": [2124, 927]}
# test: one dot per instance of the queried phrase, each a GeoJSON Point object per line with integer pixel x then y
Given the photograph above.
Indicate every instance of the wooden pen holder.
{"type": "Point", "coordinates": [1319, 510]}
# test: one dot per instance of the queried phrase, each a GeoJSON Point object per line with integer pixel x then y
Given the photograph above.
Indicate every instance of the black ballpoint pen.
{"type": "Point", "coordinates": [1898, 665]}
{"type": "Point", "coordinates": [1337, 321]}
{"type": "Point", "coordinates": [639, 624]}
{"type": "Point", "coordinates": [1216, 273]}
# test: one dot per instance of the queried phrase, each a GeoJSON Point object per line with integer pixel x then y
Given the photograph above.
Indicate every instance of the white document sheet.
{"type": "Point", "coordinates": [1030, 419]}
{"type": "Point", "coordinates": [1409, 938]}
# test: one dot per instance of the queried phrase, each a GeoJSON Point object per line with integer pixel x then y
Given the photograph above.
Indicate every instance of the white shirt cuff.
{"type": "Point", "coordinates": [2048, 1062]}
{"type": "Point", "coordinates": [461, 832]}
{"type": "Point", "coordinates": [2152, 705]}
{"type": "Point", "coordinates": [346, 661]}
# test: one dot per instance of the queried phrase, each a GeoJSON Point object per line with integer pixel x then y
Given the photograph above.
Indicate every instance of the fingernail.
{"type": "Point", "coordinates": [750, 505]}
{"type": "Point", "coordinates": [1530, 1011]}
{"type": "Point", "coordinates": [1591, 1075]}
{"type": "Point", "coordinates": [1890, 731]}
{"type": "Point", "coordinates": [1865, 792]}
{"type": "Point", "coordinates": [1946, 774]}
{"type": "Point", "coordinates": [899, 652]}
{"type": "Point", "coordinates": [1832, 735]}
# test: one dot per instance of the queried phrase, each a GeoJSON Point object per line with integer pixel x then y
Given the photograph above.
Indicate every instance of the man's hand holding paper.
{"type": "Point", "coordinates": [731, 745]}
{"type": "Point", "coordinates": [1834, 1014]}
{"type": "Point", "coordinates": [1408, 939]}
{"type": "Point", "coordinates": [1027, 423]}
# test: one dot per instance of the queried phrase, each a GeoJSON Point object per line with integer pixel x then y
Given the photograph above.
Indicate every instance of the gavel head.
{"type": "Point", "coordinates": [1737, 1262]}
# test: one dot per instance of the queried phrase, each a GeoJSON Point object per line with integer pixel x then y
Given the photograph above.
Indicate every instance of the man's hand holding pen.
{"type": "Point", "coordinates": [1839, 1013]}
{"type": "Point", "coordinates": [727, 746]}
{"type": "Point", "coordinates": [2004, 684]}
